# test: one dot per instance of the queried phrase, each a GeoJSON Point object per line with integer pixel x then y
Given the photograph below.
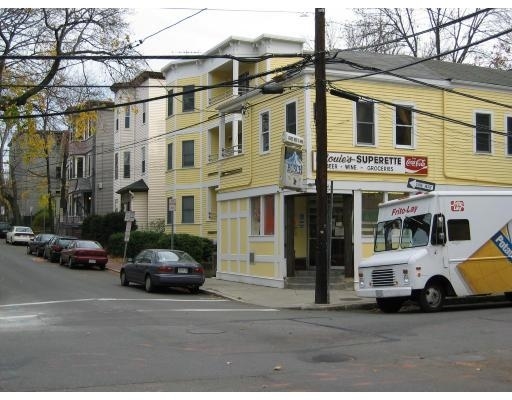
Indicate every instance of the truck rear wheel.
{"type": "Point", "coordinates": [431, 298]}
{"type": "Point", "coordinates": [390, 304]}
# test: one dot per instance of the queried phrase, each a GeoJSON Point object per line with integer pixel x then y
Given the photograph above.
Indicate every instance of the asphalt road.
{"type": "Point", "coordinates": [80, 330]}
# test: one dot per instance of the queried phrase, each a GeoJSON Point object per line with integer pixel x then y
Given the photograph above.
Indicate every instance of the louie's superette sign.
{"type": "Point", "coordinates": [375, 163]}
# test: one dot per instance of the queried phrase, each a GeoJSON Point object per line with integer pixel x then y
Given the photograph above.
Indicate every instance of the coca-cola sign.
{"type": "Point", "coordinates": [375, 163]}
{"type": "Point", "coordinates": [416, 165]}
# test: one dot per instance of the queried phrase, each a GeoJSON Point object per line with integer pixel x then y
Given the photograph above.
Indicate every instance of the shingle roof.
{"type": "Point", "coordinates": [427, 69]}
{"type": "Point", "coordinates": [139, 186]}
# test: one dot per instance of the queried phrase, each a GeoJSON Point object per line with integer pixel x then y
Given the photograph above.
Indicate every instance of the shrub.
{"type": "Point", "coordinates": [200, 248]}
{"type": "Point", "coordinates": [101, 227]}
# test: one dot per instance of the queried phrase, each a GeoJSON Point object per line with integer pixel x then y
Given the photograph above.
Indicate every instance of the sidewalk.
{"type": "Point", "coordinates": [264, 296]}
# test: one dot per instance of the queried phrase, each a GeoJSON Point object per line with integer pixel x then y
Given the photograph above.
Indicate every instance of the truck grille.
{"type": "Point", "coordinates": [383, 277]}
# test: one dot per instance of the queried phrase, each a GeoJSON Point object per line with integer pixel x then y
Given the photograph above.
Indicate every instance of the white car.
{"type": "Point", "coordinates": [19, 234]}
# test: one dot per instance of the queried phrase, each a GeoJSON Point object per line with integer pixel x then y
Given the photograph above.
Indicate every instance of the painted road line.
{"type": "Point", "coordinates": [111, 299]}
{"type": "Point", "coordinates": [212, 310]}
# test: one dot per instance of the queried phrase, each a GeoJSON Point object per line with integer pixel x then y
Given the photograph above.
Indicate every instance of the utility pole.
{"type": "Point", "coordinates": [321, 284]}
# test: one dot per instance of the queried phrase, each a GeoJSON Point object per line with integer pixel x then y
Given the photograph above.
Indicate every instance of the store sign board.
{"type": "Point", "coordinates": [375, 163]}
{"type": "Point", "coordinates": [291, 168]}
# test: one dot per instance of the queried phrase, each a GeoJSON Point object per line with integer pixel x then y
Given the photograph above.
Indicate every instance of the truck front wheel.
{"type": "Point", "coordinates": [431, 298]}
{"type": "Point", "coordinates": [390, 304]}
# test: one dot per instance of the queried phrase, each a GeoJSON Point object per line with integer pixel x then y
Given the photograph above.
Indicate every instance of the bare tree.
{"type": "Point", "coordinates": [428, 32]}
{"type": "Point", "coordinates": [55, 32]}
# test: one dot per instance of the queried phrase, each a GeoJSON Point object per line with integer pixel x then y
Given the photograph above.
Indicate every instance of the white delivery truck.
{"type": "Point", "coordinates": [435, 245]}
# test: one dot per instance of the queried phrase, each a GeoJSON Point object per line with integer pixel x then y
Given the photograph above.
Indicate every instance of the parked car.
{"type": "Point", "coordinates": [55, 245]}
{"type": "Point", "coordinates": [19, 234]}
{"type": "Point", "coordinates": [4, 227]}
{"type": "Point", "coordinates": [36, 246]}
{"type": "Point", "coordinates": [163, 267]}
{"type": "Point", "coordinates": [84, 252]}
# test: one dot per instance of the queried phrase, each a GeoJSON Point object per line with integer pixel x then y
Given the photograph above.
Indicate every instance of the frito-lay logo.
{"type": "Point", "coordinates": [457, 205]}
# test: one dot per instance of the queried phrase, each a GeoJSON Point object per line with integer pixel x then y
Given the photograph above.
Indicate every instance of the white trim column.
{"type": "Point", "coordinates": [358, 234]}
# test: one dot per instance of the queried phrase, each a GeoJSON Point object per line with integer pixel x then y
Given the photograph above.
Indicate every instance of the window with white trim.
{"type": "Point", "coordinates": [143, 160]}
{"type": "Point", "coordinates": [404, 128]}
{"type": "Point", "coordinates": [187, 209]}
{"type": "Point", "coordinates": [265, 132]}
{"type": "Point", "coordinates": [291, 118]}
{"type": "Point", "coordinates": [262, 215]}
{"type": "Point", "coordinates": [187, 156]}
{"type": "Point", "coordinates": [365, 117]}
{"type": "Point", "coordinates": [127, 117]}
{"type": "Point", "coordinates": [483, 133]}
{"type": "Point", "coordinates": [126, 164]}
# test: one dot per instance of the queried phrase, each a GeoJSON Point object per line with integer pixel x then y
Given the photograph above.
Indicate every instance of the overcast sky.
{"type": "Point", "coordinates": [196, 31]}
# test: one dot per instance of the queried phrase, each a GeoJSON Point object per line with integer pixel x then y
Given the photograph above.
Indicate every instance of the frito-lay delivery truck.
{"type": "Point", "coordinates": [439, 244]}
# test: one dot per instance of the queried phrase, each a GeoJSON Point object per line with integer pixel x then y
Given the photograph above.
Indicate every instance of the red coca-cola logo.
{"type": "Point", "coordinates": [416, 165]}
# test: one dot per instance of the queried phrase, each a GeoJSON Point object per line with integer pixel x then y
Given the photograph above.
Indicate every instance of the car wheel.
{"type": "Point", "coordinates": [70, 263]}
{"type": "Point", "coordinates": [61, 261]}
{"type": "Point", "coordinates": [508, 296]}
{"type": "Point", "coordinates": [124, 280]}
{"type": "Point", "coordinates": [431, 298]}
{"type": "Point", "coordinates": [102, 267]}
{"type": "Point", "coordinates": [38, 252]}
{"type": "Point", "coordinates": [148, 284]}
{"type": "Point", "coordinates": [390, 305]}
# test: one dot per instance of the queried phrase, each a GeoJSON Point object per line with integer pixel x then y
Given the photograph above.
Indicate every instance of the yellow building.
{"type": "Point", "coordinates": [241, 163]}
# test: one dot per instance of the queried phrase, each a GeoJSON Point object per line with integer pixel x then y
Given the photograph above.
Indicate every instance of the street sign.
{"type": "Point", "coordinates": [171, 204]}
{"type": "Point", "coordinates": [129, 216]}
{"type": "Point", "coordinates": [421, 185]}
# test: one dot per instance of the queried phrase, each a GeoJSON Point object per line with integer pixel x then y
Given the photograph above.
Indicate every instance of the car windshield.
{"type": "Point", "coordinates": [23, 229]}
{"type": "Point", "coordinates": [45, 236]}
{"type": "Point", "coordinates": [173, 256]}
{"type": "Point", "coordinates": [392, 234]}
{"type": "Point", "coordinates": [65, 242]}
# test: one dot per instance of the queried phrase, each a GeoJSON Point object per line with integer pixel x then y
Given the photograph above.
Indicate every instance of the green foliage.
{"type": "Point", "coordinates": [100, 227]}
{"type": "Point", "coordinates": [200, 248]}
{"type": "Point", "coordinates": [157, 225]}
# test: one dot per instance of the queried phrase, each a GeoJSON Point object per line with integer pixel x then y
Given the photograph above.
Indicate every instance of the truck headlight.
{"type": "Point", "coordinates": [361, 280]}
{"type": "Point", "coordinates": [406, 276]}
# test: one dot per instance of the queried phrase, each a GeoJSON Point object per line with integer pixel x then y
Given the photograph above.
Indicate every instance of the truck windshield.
{"type": "Point", "coordinates": [387, 235]}
{"type": "Point", "coordinates": [393, 234]}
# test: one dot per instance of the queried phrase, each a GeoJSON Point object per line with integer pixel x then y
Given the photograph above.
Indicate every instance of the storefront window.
{"type": "Point", "coordinates": [370, 202]}
{"type": "Point", "coordinates": [262, 211]}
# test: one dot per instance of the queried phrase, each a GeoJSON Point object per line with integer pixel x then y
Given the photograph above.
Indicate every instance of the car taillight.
{"type": "Point", "coordinates": [165, 268]}
{"type": "Point", "coordinates": [198, 270]}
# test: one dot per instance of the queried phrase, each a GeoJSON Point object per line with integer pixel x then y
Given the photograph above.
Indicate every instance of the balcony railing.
{"type": "Point", "coordinates": [72, 219]}
{"type": "Point", "coordinates": [231, 151]}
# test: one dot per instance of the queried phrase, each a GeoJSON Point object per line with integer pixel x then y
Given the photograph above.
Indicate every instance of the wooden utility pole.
{"type": "Point", "coordinates": [322, 272]}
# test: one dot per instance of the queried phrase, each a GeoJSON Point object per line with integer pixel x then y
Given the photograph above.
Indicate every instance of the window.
{"type": "Point", "coordinates": [264, 131]}
{"type": "Point", "coordinates": [144, 110]}
{"type": "Point", "coordinates": [262, 211]}
{"type": "Point", "coordinates": [187, 153]}
{"type": "Point", "coordinates": [458, 229]}
{"type": "Point", "coordinates": [79, 165]}
{"type": "Point", "coordinates": [403, 126]}
{"type": "Point", "coordinates": [58, 172]}
{"type": "Point", "coordinates": [143, 160]}
{"type": "Point", "coordinates": [365, 123]}
{"type": "Point", "coordinates": [127, 117]}
{"type": "Point", "coordinates": [117, 120]}
{"type": "Point", "coordinates": [187, 209]}
{"type": "Point", "coordinates": [509, 136]}
{"type": "Point", "coordinates": [188, 98]}
{"type": "Point", "coordinates": [291, 118]}
{"type": "Point", "coordinates": [169, 156]}
{"type": "Point", "coordinates": [243, 83]}
{"type": "Point", "coordinates": [170, 98]}
{"type": "Point", "coordinates": [116, 166]}
{"type": "Point", "coordinates": [89, 165]}
{"type": "Point", "coordinates": [482, 133]}
{"type": "Point", "coordinates": [370, 209]}
{"type": "Point", "coordinates": [126, 164]}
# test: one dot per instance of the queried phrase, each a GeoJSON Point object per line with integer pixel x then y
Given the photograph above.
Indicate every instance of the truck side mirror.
{"type": "Point", "coordinates": [440, 234]}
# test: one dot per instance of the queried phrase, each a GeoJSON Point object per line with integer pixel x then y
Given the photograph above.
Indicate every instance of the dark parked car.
{"type": "Point", "coordinates": [84, 252]}
{"type": "Point", "coordinates": [36, 246]}
{"type": "Point", "coordinates": [4, 227]}
{"type": "Point", "coordinates": [162, 267]}
{"type": "Point", "coordinates": [55, 245]}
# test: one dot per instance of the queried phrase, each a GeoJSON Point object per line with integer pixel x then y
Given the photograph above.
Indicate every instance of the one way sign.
{"type": "Point", "coordinates": [421, 185]}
